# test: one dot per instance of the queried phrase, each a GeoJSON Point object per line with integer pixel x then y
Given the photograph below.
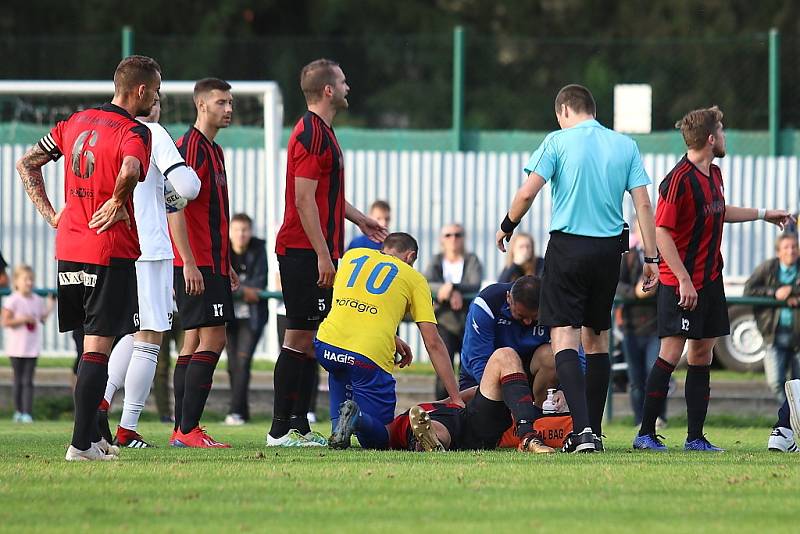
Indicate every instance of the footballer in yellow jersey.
{"type": "Point", "coordinates": [356, 342]}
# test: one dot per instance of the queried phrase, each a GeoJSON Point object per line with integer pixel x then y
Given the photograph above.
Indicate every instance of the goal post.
{"type": "Point", "coordinates": [31, 102]}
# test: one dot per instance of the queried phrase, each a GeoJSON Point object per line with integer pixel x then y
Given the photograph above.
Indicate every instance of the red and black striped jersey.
{"type": "Point", "coordinates": [314, 153]}
{"type": "Point", "coordinates": [208, 215]}
{"type": "Point", "coordinates": [691, 205]}
{"type": "Point", "coordinates": [95, 143]}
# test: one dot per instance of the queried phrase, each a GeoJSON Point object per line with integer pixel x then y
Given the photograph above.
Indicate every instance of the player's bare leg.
{"type": "Point", "coordinates": [543, 370]}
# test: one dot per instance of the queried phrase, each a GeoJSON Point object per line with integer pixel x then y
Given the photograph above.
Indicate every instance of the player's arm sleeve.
{"type": "Point", "coordinates": [138, 143]}
{"type": "Point", "coordinates": [637, 176]}
{"type": "Point", "coordinates": [421, 306]}
{"type": "Point", "coordinates": [478, 343]}
{"type": "Point", "coordinates": [544, 160]}
{"type": "Point", "coordinates": [51, 143]}
{"type": "Point", "coordinates": [307, 163]}
{"type": "Point", "coordinates": [671, 196]}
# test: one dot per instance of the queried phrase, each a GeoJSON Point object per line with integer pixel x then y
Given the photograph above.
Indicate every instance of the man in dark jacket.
{"type": "Point", "coordinates": [452, 274]}
{"type": "Point", "coordinates": [249, 260]}
{"type": "Point", "coordinates": [780, 328]}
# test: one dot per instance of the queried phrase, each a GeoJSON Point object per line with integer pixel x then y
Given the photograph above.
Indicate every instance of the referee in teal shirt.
{"type": "Point", "coordinates": [589, 168]}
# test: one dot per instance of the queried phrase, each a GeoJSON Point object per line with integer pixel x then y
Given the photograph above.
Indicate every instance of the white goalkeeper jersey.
{"type": "Point", "coordinates": [148, 196]}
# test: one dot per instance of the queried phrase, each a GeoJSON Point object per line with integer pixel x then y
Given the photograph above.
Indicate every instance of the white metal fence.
{"type": "Point", "coordinates": [426, 190]}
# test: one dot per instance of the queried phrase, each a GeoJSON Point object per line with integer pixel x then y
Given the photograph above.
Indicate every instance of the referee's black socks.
{"type": "Point", "coordinates": [517, 396]}
{"type": "Point", "coordinates": [199, 376]}
{"type": "Point", "coordinates": [573, 384]}
{"type": "Point", "coordinates": [287, 378]}
{"type": "Point", "coordinates": [598, 375]}
{"type": "Point", "coordinates": [89, 389]}
{"type": "Point", "coordinates": [655, 395]}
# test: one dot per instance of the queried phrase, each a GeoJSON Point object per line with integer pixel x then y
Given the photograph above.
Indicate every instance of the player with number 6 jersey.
{"type": "Point", "coordinates": [107, 153]}
{"type": "Point", "coordinates": [356, 343]}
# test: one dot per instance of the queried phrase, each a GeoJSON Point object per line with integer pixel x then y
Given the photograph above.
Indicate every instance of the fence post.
{"type": "Point", "coordinates": [774, 92]}
{"type": "Point", "coordinates": [458, 87]}
{"type": "Point", "coordinates": [127, 41]}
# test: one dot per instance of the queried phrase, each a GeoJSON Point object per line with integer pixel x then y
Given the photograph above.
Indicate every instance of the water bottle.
{"type": "Point", "coordinates": [549, 405]}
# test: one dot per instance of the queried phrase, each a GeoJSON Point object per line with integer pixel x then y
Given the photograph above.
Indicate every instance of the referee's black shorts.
{"type": "Point", "coordinates": [579, 282]}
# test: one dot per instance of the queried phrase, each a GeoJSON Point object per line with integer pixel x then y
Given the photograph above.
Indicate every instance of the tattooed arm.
{"type": "Point", "coordinates": [29, 168]}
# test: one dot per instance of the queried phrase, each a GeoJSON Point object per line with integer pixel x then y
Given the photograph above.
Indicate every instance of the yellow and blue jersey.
{"type": "Point", "coordinates": [372, 293]}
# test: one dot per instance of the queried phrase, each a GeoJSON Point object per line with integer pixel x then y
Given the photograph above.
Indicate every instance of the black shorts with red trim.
{"type": "Point", "coordinates": [708, 320]}
{"type": "Point", "coordinates": [214, 307]}
{"type": "Point", "coordinates": [306, 303]}
{"type": "Point", "coordinates": [100, 299]}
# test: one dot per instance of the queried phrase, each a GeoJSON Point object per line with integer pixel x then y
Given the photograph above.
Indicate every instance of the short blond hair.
{"type": "Point", "coordinates": [19, 270]}
{"type": "Point", "coordinates": [698, 124]}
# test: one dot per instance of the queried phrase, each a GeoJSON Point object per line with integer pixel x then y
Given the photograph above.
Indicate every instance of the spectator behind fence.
{"type": "Point", "coordinates": [522, 261]}
{"type": "Point", "coordinates": [452, 274]}
{"type": "Point", "coordinates": [249, 260]}
{"type": "Point", "coordinates": [640, 343]}
{"type": "Point", "coordinates": [381, 212]}
{"type": "Point", "coordinates": [22, 315]}
{"type": "Point", "coordinates": [780, 327]}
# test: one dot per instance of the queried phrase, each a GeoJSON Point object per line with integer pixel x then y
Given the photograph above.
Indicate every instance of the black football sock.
{"type": "Point", "coordinates": [573, 384]}
{"type": "Point", "coordinates": [518, 398]}
{"type": "Point", "coordinates": [199, 376]}
{"type": "Point", "coordinates": [655, 398]}
{"type": "Point", "coordinates": [783, 416]}
{"type": "Point", "coordinates": [698, 392]}
{"type": "Point", "coordinates": [300, 408]}
{"type": "Point", "coordinates": [287, 376]}
{"type": "Point", "coordinates": [179, 386]}
{"type": "Point", "coordinates": [89, 389]}
{"type": "Point", "coordinates": [598, 375]}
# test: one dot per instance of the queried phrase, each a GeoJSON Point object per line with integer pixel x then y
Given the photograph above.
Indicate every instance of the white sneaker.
{"type": "Point", "coordinates": [781, 439]}
{"type": "Point", "coordinates": [293, 438]}
{"type": "Point", "coordinates": [312, 418]}
{"type": "Point", "coordinates": [234, 419]}
{"type": "Point", "coordinates": [106, 447]}
{"type": "Point", "coordinates": [792, 389]}
{"type": "Point", "coordinates": [17, 417]}
{"type": "Point", "coordinates": [92, 453]}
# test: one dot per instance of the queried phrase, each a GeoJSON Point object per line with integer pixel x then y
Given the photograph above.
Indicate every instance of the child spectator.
{"type": "Point", "coordinates": [22, 314]}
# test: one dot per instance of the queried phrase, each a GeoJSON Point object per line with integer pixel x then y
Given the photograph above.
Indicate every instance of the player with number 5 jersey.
{"type": "Point", "coordinates": [356, 343]}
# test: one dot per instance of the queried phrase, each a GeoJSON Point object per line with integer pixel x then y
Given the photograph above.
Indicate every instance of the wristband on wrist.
{"type": "Point", "coordinates": [762, 213]}
{"type": "Point", "coordinates": [508, 226]}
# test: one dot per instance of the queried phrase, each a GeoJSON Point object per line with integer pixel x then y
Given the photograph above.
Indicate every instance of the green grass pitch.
{"type": "Point", "coordinates": [254, 489]}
